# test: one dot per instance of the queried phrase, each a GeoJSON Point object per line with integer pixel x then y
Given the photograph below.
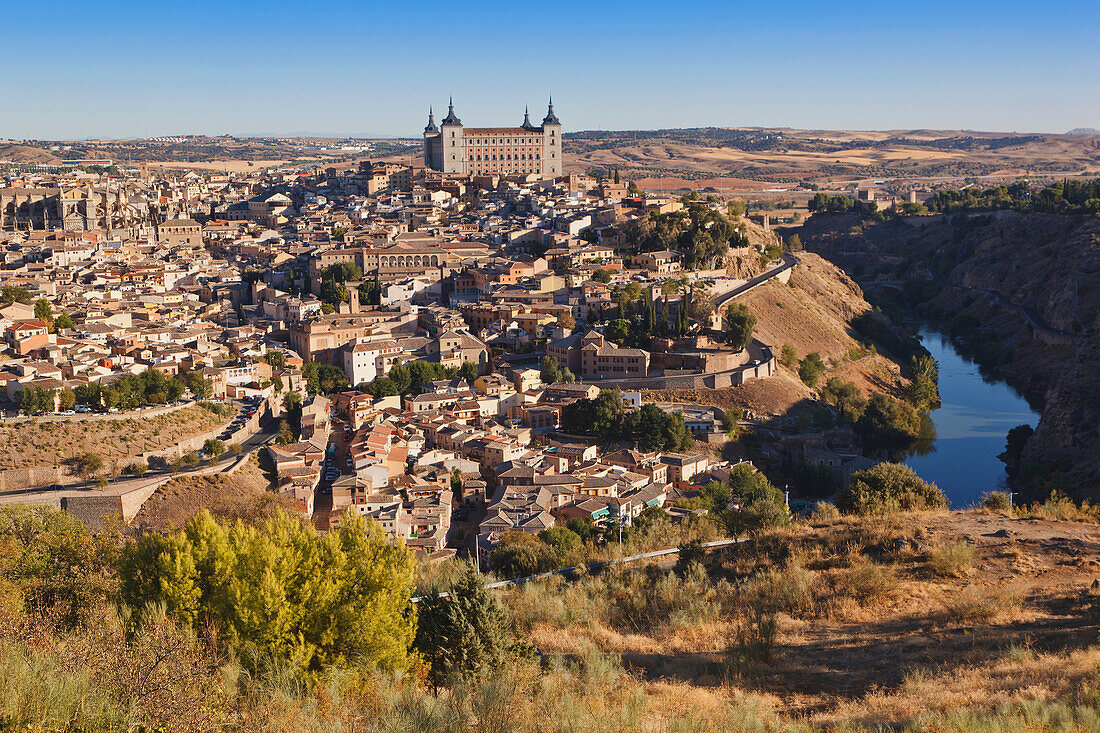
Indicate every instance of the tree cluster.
{"type": "Point", "coordinates": [278, 592]}
{"type": "Point", "coordinates": [606, 418]}
{"type": "Point", "coordinates": [701, 234]}
{"type": "Point", "coordinates": [151, 387]}
{"type": "Point", "coordinates": [323, 378]}
{"type": "Point", "coordinates": [1061, 197]}
{"type": "Point", "coordinates": [410, 378]}
{"type": "Point", "coordinates": [334, 291]}
{"type": "Point", "coordinates": [745, 504]}
{"type": "Point", "coordinates": [888, 487]}
{"type": "Point", "coordinates": [552, 371]}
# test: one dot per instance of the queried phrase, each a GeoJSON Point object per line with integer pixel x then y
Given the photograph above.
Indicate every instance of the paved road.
{"type": "Point", "coordinates": [1030, 314]}
{"type": "Point", "coordinates": [788, 261]}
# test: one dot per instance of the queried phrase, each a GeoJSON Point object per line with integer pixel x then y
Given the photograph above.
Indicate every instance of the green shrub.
{"type": "Point", "coordinates": [811, 368]}
{"type": "Point", "coordinates": [280, 593]}
{"type": "Point", "coordinates": [888, 487]}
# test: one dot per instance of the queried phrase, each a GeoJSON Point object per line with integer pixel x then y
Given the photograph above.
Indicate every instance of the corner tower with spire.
{"type": "Point", "coordinates": [530, 151]}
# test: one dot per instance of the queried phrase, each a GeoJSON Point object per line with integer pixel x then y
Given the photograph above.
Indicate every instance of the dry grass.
{"type": "Point", "coordinates": [952, 559]}
{"type": "Point", "coordinates": [974, 605]}
{"type": "Point", "coordinates": [1061, 508]}
{"type": "Point", "coordinates": [243, 495]}
{"type": "Point", "coordinates": [29, 443]}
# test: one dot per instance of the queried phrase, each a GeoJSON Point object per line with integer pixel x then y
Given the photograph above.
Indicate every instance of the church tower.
{"type": "Point", "coordinates": [430, 133]}
{"type": "Point", "coordinates": [551, 143]}
{"type": "Point", "coordinates": [454, 155]}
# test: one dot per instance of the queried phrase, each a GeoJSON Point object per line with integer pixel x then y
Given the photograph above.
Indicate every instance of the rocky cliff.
{"type": "Point", "coordinates": [1019, 292]}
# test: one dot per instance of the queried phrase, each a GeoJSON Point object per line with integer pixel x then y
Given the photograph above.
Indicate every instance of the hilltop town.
{"type": "Point", "coordinates": [413, 345]}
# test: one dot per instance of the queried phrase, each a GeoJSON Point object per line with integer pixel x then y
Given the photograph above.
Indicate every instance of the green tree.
{"type": "Point", "coordinates": [213, 447]}
{"type": "Point", "coordinates": [731, 419]}
{"type": "Point", "coordinates": [551, 371]}
{"type": "Point", "coordinates": [465, 634]}
{"type": "Point", "coordinates": [789, 357]}
{"type": "Point", "coordinates": [43, 311]}
{"type": "Point", "coordinates": [602, 417]}
{"type": "Point", "coordinates": [811, 368]}
{"type": "Point", "coordinates": [14, 294]}
{"type": "Point", "coordinates": [759, 505]}
{"type": "Point", "coordinates": [63, 321]}
{"type": "Point", "coordinates": [888, 487]}
{"type": "Point", "coordinates": [846, 397]}
{"type": "Point", "coordinates": [566, 544]}
{"type": "Point", "coordinates": [201, 387]}
{"type": "Point", "coordinates": [519, 554]}
{"type": "Point", "coordinates": [923, 392]}
{"type": "Point", "coordinates": [285, 436]}
{"type": "Point", "coordinates": [88, 465]}
{"type": "Point", "coordinates": [276, 358]}
{"type": "Point", "coordinates": [887, 422]}
{"type": "Point", "coordinates": [619, 332]}
{"type": "Point", "coordinates": [468, 372]}
{"type": "Point", "coordinates": [601, 275]}
{"type": "Point", "coordinates": [67, 399]}
{"type": "Point", "coordinates": [739, 325]}
{"type": "Point", "coordinates": [324, 378]}
{"type": "Point", "coordinates": [279, 593]}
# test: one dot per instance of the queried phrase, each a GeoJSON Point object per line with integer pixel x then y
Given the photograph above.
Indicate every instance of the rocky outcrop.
{"type": "Point", "coordinates": [1022, 289]}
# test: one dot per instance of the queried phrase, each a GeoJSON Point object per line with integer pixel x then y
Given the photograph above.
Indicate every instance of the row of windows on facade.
{"type": "Point", "coordinates": [410, 261]}
{"type": "Point", "coordinates": [552, 155]}
{"type": "Point", "coordinates": [508, 157]}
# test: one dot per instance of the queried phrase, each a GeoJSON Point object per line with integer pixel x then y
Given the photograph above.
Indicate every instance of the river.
{"type": "Point", "coordinates": [970, 427]}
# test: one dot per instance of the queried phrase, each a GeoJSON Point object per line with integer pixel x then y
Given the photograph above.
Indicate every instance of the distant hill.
{"type": "Point", "coordinates": [16, 153]}
{"type": "Point", "coordinates": [724, 157]}
{"type": "Point", "coordinates": [1084, 131]}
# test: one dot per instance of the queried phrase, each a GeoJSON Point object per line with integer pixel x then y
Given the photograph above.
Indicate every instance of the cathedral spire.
{"type": "Point", "coordinates": [551, 118]}
{"type": "Point", "coordinates": [451, 119]}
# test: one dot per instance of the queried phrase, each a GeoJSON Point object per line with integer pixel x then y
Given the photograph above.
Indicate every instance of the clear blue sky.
{"type": "Point", "coordinates": [139, 69]}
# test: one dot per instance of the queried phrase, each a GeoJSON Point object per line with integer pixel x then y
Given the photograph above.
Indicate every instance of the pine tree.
{"type": "Point", "coordinates": [464, 634]}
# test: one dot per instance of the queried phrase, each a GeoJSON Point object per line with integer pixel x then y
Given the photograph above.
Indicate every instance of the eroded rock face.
{"type": "Point", "coordinates": [1031, 284]}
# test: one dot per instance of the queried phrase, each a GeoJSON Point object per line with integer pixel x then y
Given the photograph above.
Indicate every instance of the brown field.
{"type": "Point", "coordinates": [672, 159]}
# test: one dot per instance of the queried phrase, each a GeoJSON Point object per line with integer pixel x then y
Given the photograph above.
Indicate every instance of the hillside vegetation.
{"type": "Point", "coordinates": [953, 621]}
{"type": "Point", "coordinates": [244, 493]}
{"type": "Point", "coordinates": [29, 442]}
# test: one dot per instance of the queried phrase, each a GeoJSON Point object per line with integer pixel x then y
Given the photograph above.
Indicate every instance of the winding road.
{"type": "Point", "coordinates": [1030, 314]}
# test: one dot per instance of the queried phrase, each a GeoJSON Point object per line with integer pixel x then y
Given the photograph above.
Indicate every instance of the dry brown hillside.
{"type": "Point", "coordinates": [723, 158]}
{"type": "Point", "coordinates": [227, 495]}
{"type": "Point", "coordinates": [812, 313]}
{"type": "Point", "coordinates": [45, 442]}
{"type": "Point", "coordinates": [15, 153]}
{"type": "Point", "coordinates": [877, 620]}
